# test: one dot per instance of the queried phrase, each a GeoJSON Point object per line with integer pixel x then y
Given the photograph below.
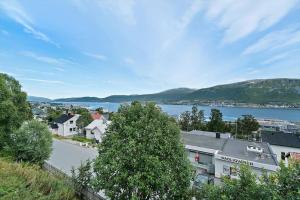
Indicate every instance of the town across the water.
{"type": "Point", "coordinates": [213, 154]}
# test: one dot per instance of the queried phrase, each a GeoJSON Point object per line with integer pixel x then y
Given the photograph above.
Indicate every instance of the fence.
{"type": "Point", "coordinates": [87, 194]}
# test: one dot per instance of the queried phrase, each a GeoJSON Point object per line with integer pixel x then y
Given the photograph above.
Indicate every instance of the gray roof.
{"type": "Point", "coordinates": [281, 139]}
{"type": "Point", "coordinates": [231, 147]}
{"type": "Point", "coordinates": [203, 141]}
{"type": "Point", "coordinates": [63, 118]}
{"type": "Point", "coordinates": [238, 149]}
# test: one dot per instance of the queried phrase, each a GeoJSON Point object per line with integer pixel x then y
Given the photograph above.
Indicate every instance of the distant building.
{"type": "Point", "coordinates": [277, 125]}
{"type": "Point", "coordinates": [96, 129]}
{"type": "Point", "coordinates": [218, 155]}
{"type": "Point", "coordinates": [281, 143]}
{"type": "Point", "coordinates": [65, 125]}
{"type": "Point", "coordinates": [39, 114]}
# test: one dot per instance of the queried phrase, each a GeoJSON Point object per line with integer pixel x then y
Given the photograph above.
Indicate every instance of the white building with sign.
{"type": "Point", "coordinates": [215, 156]}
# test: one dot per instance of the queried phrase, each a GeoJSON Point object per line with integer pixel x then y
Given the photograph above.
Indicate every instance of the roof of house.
{"type": "Point", "coordinates": [54, 126]}
{"type": "Point", "coordinates": [98, 123]}
{"type": "Point", "coordinates": [238, 149]}
{"type": "Point", "coordinates": [63, 118]}
{"type": "Point", "coordinates": [203, 141]}
{"type": "Point", "coordinates": [281, 139]}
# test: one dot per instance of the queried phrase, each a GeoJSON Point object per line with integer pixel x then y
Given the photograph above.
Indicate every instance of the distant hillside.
{"type": "Point", "coordinates": [254, 91]}
{"type": "Point", "coordinates": [263, 91]}
{"type": "Point", "coordinates": [38, 99]}
{"type": "Point", "coordinates": [161, 97]}
{"type": "Point", "coordinates": [79, 99]}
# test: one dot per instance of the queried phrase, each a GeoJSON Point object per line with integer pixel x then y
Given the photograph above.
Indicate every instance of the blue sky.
{"type": "Point", "coordinates": [76, 48]}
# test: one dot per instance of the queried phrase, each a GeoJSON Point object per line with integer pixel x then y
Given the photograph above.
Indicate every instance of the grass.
{"type": "Point", "coordinates": [26, 182]}
{"type": "Point", "coordinates": [81, 139]}
{"type": "Point", "coordinates": [59, 137]}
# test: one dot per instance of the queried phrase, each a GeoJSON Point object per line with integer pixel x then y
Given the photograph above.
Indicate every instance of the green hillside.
{"type": "Point", "coordinates": [161, 97]}
{"type": "Point", "coordinates": [254, 91]}
{"type": "Point", "coordinates": [262, 91]}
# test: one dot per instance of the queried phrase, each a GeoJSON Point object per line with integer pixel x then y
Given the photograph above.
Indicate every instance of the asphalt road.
{"type": "Point", "coordinates": [65, 155]}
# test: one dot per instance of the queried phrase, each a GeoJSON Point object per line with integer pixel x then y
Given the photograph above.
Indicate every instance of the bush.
{"type": "Point", "coordinates": [22, 182]}
{"type": "Point", "coordinates": [32, 143]}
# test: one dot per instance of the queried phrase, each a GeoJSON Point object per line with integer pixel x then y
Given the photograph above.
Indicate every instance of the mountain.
{"type": "Point", "coordinates": [79, 99]}
{"type": "Point", "coordinates": [161, 97]}
{"type": "Point", "coordinates": [38, 99]}
{"type": "Point", "coordinates": [260, 91]}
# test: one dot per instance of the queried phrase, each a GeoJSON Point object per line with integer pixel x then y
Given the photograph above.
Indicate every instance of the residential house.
{"type": "Point", "coordinates": [65, 125]}
{"type": "Point", "coordinates": [96, 129]}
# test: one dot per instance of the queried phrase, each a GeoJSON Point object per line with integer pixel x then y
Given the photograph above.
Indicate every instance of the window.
{"type": "Point", "coordinates": [226, 170]}
{"type": "Point", "coordinates": [282, 155]}
{"type": "Point", "coordinates": [71, 129]}
{"type": "Point", "coordinates": [71, 122]}
{"type": "Point", "coordinates": [74, 129]}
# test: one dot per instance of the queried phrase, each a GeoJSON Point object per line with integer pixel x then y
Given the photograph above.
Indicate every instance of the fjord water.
{"type": "Point", "coordinates": [229, 113]}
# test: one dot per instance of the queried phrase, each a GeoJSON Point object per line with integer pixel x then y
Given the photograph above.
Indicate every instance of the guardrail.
{"type": "Point", "coordinates": [87, 194]}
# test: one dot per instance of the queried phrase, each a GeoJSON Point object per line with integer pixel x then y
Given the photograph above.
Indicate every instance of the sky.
{"type": "Point", "coordinates": [76, 48]}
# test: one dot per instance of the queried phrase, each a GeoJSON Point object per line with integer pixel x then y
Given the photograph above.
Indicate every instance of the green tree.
{"type": "Point", "coordinates": [85, 117]}
{"type": "Point", "coordinates": [82, 177]}
{"type": "Point", "coordinates": [100, 110]}
{"type": "Point", "coordinates": [286, 181]}
{"type": "Point", "coordinates": [142, 157]}
{"type": "Point", "coordinates": [197, 119]}
{"type": "Point", "coordinates": [216, 123]}
{"type": "Point", "coordinates": [84, 120]}
{"type": "Point", "coordinates": [32, 142]}
{"type": "Point", "coordinates": [246, 187]}
{"type": "Point", "coordinates": [246, 125]}
{"type": "Point", "coordinates": [53, 114]}
{"type": "Point", "coordinates": [14, 108]}
{"type": "Point", "coordinates": [185, 121]}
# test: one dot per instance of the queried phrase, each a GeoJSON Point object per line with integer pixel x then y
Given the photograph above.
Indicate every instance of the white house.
{"type": "Point", "coordinates": [65, 125]}
{"type": "Point", "coordinates": [282, 143]}
{"type": "Point", "coordinates": [96, 129]}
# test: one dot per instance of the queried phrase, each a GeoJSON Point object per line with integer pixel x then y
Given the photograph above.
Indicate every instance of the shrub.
{"type": "Point", "coordinates": [32, 143]}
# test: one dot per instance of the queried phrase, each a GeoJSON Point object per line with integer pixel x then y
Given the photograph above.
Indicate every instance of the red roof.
{"type": "Point", "coordinates": [96, 115]}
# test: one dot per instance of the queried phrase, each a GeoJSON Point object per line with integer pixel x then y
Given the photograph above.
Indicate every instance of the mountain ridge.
{"type": "Point", "coordinates": [257, 91]}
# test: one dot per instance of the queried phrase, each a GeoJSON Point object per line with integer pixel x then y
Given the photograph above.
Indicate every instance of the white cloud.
{"type": "Point", "coordinates": [96, 56]}
{"type": "Point", "coordinates": [275, 40]}
{"type": "Point", "coordinates": [129, 60]}
{"type": "Point", "coordinates": [238, 18]}
{"type": "Point", "coordinates": [281, 56]}
{"type": "Point", "coordinates": [15, 11]}
{"type": "Point", "coordinates": [60, 69]}
{"type": "Point", "coordinates": [184, 21]}
{"type": "Point", "coordinates": [48, 60]}
{"type": "Point", "coordinates": [43, 81]}
{"type": "Point", "coordinates": [4, 32]}
{"type": "Point", "coordinates": [122, 8]}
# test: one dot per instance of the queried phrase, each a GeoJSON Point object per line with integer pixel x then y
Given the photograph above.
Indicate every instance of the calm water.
{"type": "Point", "coordinates": [229, 113]}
